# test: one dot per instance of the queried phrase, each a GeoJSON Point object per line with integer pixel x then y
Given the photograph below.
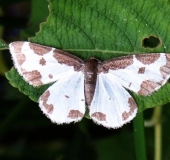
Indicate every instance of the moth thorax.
{"type": "Point", "coordinates": [90, 71]}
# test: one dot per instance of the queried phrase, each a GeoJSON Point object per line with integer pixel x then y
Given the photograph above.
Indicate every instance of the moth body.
{"type": "Point", "coordinates": [90, 77]}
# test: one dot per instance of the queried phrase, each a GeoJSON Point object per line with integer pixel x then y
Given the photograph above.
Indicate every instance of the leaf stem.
{"type": "Point", "coordinates": [155, 122]}
{"type": "Point", "coordinates": [158, 132]}
{"type": "Point", "coordinates": [139, 137]}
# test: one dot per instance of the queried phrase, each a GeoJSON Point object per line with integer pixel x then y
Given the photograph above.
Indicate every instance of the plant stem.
{"type": "Point", "coordinates": [158, 132]}
{"type": "Point", "coordinates": [139, 137]}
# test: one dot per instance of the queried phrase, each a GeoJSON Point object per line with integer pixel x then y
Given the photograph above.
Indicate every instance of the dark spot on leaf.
{"type": "Point", "coordinates": [151, 42]}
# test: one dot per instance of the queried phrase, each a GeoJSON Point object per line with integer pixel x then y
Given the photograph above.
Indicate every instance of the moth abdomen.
{"type": "Point", "coordinates": [90, 71]}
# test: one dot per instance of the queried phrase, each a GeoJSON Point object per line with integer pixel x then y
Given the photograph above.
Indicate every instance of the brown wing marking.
{"type": "Point", "coordinates": [147, 58]}
{"type": "Point", "coordinates": [49, 107]}
{"type": "Point", "coordinates": [42, 61]}
{"type": "Point", "coordinates": [132, 106]}
{"type": "Point", "coordinates": [68, 59]}
{"type": "Point", "coordinates": [115, 63]}
{"type": "Point", "coordinates": [165, 70]}
{"type": "Point", "coordinates": [39, 49]}
{"type": "Point", "coordinates": [17, 50]}
{"type": "Point", "coordinates": [141, 70]}
{"type": "Point", "coordinates": [33, 76]}
{"type": "Point", "coordinates": [147, 87]}
{"type": "Point", "coordinates": [74, 114]}
{"type": "Point", "coordinates": [99, 116]}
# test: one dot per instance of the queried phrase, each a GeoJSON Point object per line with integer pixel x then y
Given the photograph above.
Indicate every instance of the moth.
{"type": "Point", "coordinates": [102, 86]}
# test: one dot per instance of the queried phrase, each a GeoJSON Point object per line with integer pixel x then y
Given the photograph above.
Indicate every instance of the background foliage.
{"type": "Point", "coordinates": [103, 29]}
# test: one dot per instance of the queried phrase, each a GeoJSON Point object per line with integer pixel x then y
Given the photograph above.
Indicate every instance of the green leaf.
{"type": "Point", "coordinates": [17, 81]}
{"type": "Point", "coordinates": [3, 45]}
{"type": "Point", "coordinates": [105, 29]}
{"type": "Point", "coordinates": [3, 67]}
{"type": "Point", "coordinates": [160, 97]}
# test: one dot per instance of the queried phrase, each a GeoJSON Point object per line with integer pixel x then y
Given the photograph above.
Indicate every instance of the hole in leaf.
{"type": "Point", "coordinates": [151, 42]}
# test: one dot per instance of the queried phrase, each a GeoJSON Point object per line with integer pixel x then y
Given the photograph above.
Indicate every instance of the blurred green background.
{"type": "Point", "coordinates": [25, 133]}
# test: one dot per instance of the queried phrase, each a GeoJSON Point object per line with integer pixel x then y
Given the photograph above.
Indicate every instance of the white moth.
{"type": "Point", "coordinates": [100, 85]}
